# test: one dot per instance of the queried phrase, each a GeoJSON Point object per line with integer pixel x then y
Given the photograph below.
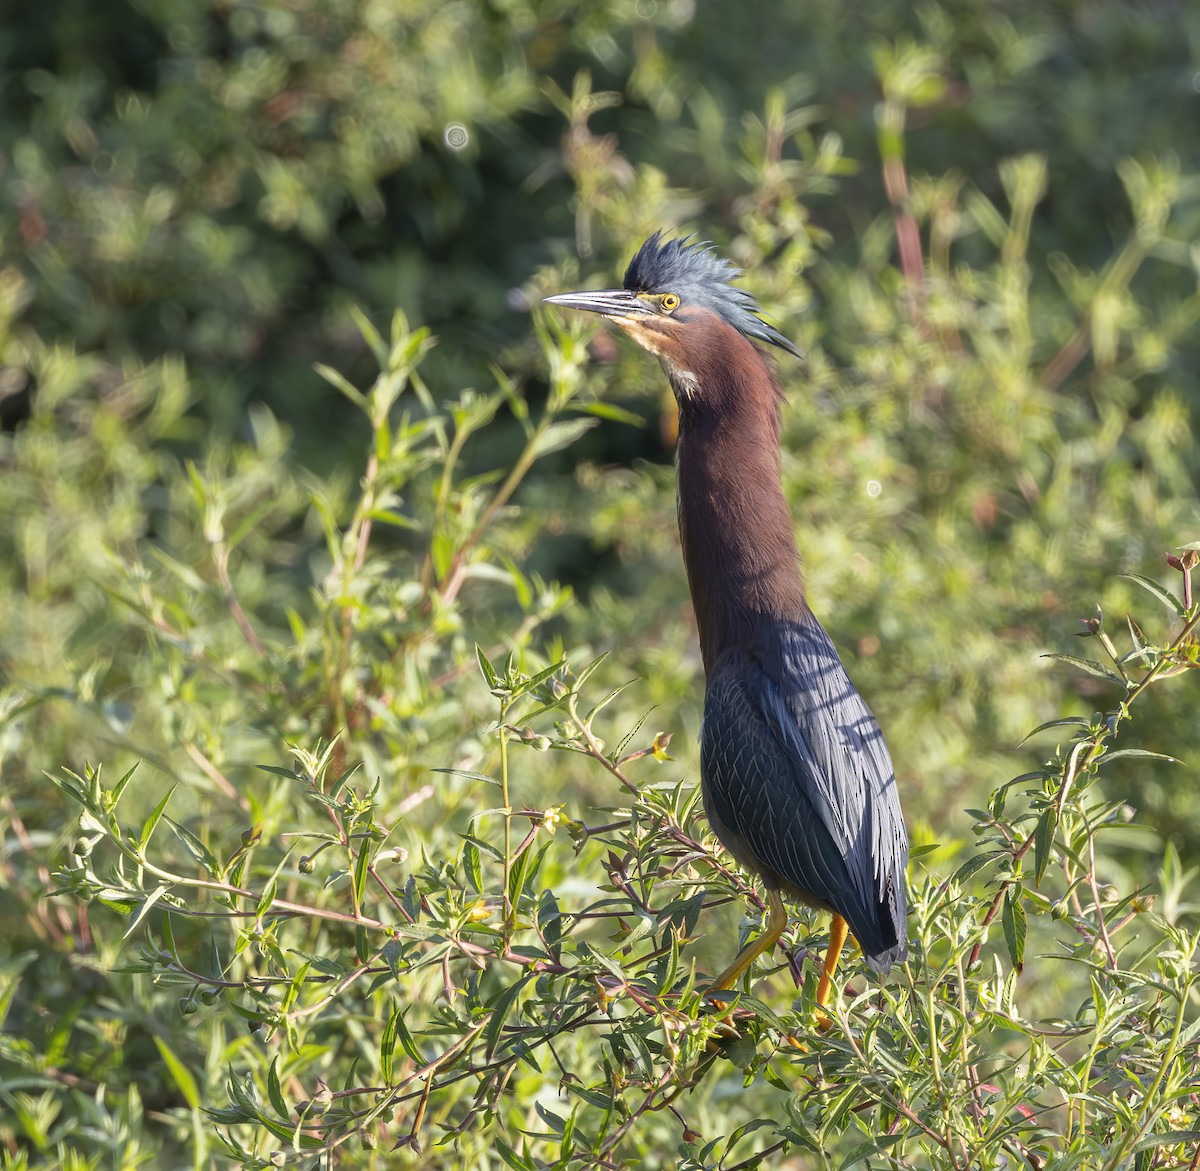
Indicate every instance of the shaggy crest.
{"type": "Point", "coordinates": [698, 276]}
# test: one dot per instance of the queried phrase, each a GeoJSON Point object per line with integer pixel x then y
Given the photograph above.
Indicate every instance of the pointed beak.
{"type": "Point", "coordinates": [606, 302]}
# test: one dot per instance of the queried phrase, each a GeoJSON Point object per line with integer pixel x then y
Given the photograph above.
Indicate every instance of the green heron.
{"type": "Point", "coordinates": [797, 781]}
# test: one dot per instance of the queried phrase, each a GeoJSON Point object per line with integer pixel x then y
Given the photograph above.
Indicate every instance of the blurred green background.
{"type": "Point", "coordinates": [218, 183]}
{"type": "Point", "coordinates": [981, 221]}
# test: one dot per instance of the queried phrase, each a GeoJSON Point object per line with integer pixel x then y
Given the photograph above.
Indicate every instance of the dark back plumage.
{"type": "Point", "coordinates": [699, 277]}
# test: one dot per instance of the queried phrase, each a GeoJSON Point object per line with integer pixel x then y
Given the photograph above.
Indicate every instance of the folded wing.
{"type": "Point", "coordinates": [798, 783]}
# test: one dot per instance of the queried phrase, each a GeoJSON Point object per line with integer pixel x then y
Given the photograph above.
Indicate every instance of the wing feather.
{"type": "Point", "coordinates": [799, 785]}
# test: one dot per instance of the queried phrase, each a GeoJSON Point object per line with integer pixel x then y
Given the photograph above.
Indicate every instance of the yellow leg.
{"type": "Point", "coordinates": [838, 930]}
{"type": "Point", "coordinates": [776, 922]}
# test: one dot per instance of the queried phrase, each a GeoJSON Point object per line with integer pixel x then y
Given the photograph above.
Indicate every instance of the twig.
{"type": "Point", "coordinates": [1091, 877]}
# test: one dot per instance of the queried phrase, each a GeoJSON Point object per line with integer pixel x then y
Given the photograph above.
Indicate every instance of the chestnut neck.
{"type": "Point", "coordinates": [738, 543]}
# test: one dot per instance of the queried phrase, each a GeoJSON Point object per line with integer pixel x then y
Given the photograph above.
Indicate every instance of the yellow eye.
{"type": "Point", "coordinates": [669, 302]}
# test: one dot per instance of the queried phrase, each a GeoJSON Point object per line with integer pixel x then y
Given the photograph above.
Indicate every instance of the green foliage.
{"type": "Point", "coordinates": [392, 677]}
{"type": "Point", "coordinates": [497, 1003]}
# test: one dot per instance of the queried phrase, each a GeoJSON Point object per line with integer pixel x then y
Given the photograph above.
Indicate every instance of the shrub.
{"type": "Point", "coordinates": [983, 238]}
{"type": "Point", "coordinates": [461, 968]}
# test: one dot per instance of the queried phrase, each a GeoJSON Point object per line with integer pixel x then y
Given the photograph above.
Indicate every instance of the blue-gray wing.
{"type": "Point", "coordinates": [798, 783]}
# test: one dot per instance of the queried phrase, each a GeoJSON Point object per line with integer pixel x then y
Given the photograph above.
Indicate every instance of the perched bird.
{"type": "Point", "coordinates": [797, 782]}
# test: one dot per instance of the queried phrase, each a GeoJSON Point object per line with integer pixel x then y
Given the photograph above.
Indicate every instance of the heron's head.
{"type": "Point", "coordinates": [676, 297]}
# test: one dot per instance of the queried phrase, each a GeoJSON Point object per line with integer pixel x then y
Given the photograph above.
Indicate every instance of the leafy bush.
{"type": "Point", "coordinates": [467, 903]}
{"type": "Point", "coordinates": [527, 985]}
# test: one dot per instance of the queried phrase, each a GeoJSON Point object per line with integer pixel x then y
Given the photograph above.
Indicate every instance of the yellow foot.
{"type": "Point", "coordinates": [776, 922]}
{"type": "Point", "coordinates": [821, 1020]}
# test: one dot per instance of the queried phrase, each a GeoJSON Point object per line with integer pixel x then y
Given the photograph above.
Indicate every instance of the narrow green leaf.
{"type": "Point", "coordinates": [1065, 722]}
{"type": "Point", "coordinates": [168, 942]}
{"type": "Point", "coordinates": [606, 701]}
{"type": "Point", "coordinates": [1090, 667]}
{"type": "Point", "coordinates": [561, 434]}
{"type": "Point", "coordinates": [145, 908]}
{"type": "Point", "coordinates": [762, 1010]}
{"type": "Point", "coordinates": [567, 1147]}
{"type": "Point", "coordinates": [151, 822]}
{"type": "Point", "coordinates": [361, 863]}
{"type": "Point", "coordinates": [371, 336]}
{"type": "Point", "coordinates": [406, 1039]}
{"type": "Point", "coordinates": [387, 1047]}
{"type": "Point", "coordinates": [625, 740]}
{"type": "Point", "coordinates": [1168, 1138]}
{"type": "Point", "coordinates": [1108, 757]}
{"type": "Point", "coordinates": [383, 441]}
{"type": "Point", "coordinates": [180, 1074]}
{"type": "Point", "coordinates": [511, 576]}
{"type": "Point", "coordinates": [490, 677]}
{"type": "Point", "coordinates": [587, 952]}
{"type": "Point", "coordinates": [1164, 595]}
{"type": "Point", "coordinates": [251, 522]}
{"type": "Point", "coordinates": [1043, 842]}
{"type": "Point", "coordinates": [67, 784]}
{"type": "Point", "coordinates": [118, 790]}
{"type": "Point", "coordinates": [524, 872]}
{"type": "Point", "coordinates": [1013, 918]}
{"type": "Point", "coordinates": [555, 1122]}
{"type": "Point", "coordinates": [615, 413]}
{"type": "Point", "coordinates": [241, 1092]}
{"type": "Point", "coordinates": [549, 923]}
{"type": "Point", "coordinates": [266, 898]}
{"type": "Point", "coordinates": [391, 517]}
{"type": "Point", "coordinates": [516, 403]}
{"type": "Point", "coordinates": [862, 1153]}
{"type": "Point", "coordinates": [976, 863]}
{"type": "Point", "coordinates": [470, 776]}
{"type": "Point", "coordinates": [441, 549]}
{"type": "Point", "coordinates": [185, 573]}
{"type": "Point", "coordinates": [501, 1007]}
{"type": "Point", "coordinates": [275, 1090]}
{"type": "Point", "coordinates": [538, 679]}
{"type": "Point", "coordinates": [335, 786]}
{"type": "Point", "coordinates": [482, 845]}
{"type": "Point", "coordinates": [516, 877]}
{"type": "Point", "coordinates": [1000, 796]}
{"type": "Point", "coordinates": [411, 899]}
{"type": "Point", "coordinates": [268, 894]}
{"type": "Point", "coordinates": [337, 381]}
{"type": "Point", "coordinates": [472, 867]}
{"type": "Point", "coordinates": [194, 846]}
{"type": "Point", "coordinates": [277, 771]}
{"type": "Point", "coordinates": [295, 987]}
{"type": "Point", "coordinates": [749, 1128]}
{"type": "Point", "coordinates": [515, 1161]}
{"type": "Point", "coordinates": [585, 674]}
